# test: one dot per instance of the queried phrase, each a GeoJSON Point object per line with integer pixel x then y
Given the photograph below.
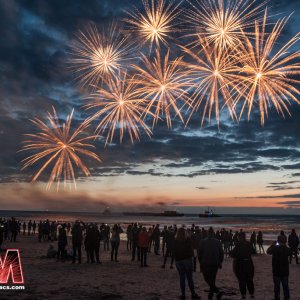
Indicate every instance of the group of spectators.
{"type": "Point", "coordinates": [185, 246]}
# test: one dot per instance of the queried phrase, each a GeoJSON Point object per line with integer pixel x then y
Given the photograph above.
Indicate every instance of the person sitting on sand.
{"type": "Point", "coordinates": [211, 255]}
{"type": "Point", "coordinates": [143, 242]}
{"type": "Point", "coordinates": [243, 266]}
{"type": "Point", "coordinates": [51, 252]}
{"type": "Point", "coordinates": [280, 266]}
{"type": "Point", "coordinates": [183, 254]}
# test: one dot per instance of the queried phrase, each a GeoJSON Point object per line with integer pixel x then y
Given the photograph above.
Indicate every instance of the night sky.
{"type": "Point", "coordinates": [236, 165]}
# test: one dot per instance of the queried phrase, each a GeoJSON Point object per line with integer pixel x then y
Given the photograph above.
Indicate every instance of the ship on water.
{"type": "Point", "coordinates": [166, 213]}
{"type": "Point", "coordinates": [209, 213]}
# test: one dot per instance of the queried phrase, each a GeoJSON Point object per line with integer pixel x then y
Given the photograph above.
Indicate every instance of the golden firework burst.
{"type": "Point", "coordinates": [221, 22]}
{"type": "Point", "coordinates": [119, 107]}
{"type": "Point", "coordinates": [164, 85]}
{"type": "Point", "coordinates": [156, 24]}
{"type": "Point", "coordinates": [98, 54]}
{"type": "Point", "coordinates": [268, 75]}
{"type": "Point", "coordinates": [59, 146]}
{"type": "Point", "coordinates": [212, 71]}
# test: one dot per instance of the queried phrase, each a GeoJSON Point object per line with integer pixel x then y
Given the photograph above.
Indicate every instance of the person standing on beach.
{"type": "Point", "coordinates": [143, 242]}
{"type": "Point", "coordinates": [253, 240]}
{"type": "Point", "coordinates": [29, 227]}
{"type": "Point", "coordinates": [183, 254]}
{"type": "Point", "coordinates": [293, 242]}
{"type": "Point", "coordinates": [260, 242]}
{"type": "Point", "coordinates": [135, 236]}
{"type": "Point", "coordinates": [280, 266]}
{"type": "Point", "coordinates": [169, 240]}
{"type": "Point", "coordinates": [115, 242]}
{"type": "Point", "coordinates": [24, 228]}
{"type": "Point", "coordinates": [77, 237]}
{"type": "Point", "coordinates": [156, 239]}
{"type": "Point", "coordinates": [14, 228]}
{"type": "Point", "coordinates": [62, 243]}
{"type": "Point", "coordinates": [243, 266]}
{"type": "Point", "coordinates": [211, 255]}
{"type": "Point", "coordinates": [33, 227]}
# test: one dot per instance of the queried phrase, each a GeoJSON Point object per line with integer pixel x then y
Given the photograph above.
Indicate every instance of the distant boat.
{"type": "Point", "coordinates": [209, 213]}
{"type": "Point", "coordinates": [167, 213]}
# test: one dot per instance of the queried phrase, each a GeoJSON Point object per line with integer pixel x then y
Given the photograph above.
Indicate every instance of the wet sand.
{"type": "Point", "coordinates": [47, 279]}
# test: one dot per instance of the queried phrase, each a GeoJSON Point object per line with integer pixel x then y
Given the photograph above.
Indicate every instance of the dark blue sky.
{"type": "Point", "coordinates": [245, 159]}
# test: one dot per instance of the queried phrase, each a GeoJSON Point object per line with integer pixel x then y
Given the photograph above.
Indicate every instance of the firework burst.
{"type": "Point", "coordinates": [157, 23]}
{"type": "Point", "coordinates": [60, 146]}
{"type": "Point", "coordinates": [268, 76]}
{"type": "Point", "coordinates": [212, 71]}
{"type": "Point", "coordinates": [99, 54]}
{"type": "Point", "coordinates": [163, 84]}
{"type": "Point", "coordinates": [119, 107]}
{"type": "Point", "coordinates": [221, 22]}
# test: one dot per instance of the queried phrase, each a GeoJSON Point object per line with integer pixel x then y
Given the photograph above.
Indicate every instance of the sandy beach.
{"type": "Point", "coordinates": [47, 279]}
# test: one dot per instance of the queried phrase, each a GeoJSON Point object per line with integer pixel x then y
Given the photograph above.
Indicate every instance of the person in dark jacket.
{"type": "Point", "coordinates": [62, 243]}
{"type": "Point", "coordinates": [280, 266]}
{"type": "Point", "coordinates": [293, 242]}
{"type": "Point", "coordinates": [135, 248]}
{"type": "Point", "coordinates": [183, 254]}
{"type": "Point", "coordinates": [77, 240]}
{"type": "Point", "coordinates": [169, 240]}
{"type": "Point", "coordinates": [143, 242]}
{"type": "Point", "coordinates": [211, 255]}
{"type": "Point", "coordinates": [243, 266]}
{"type": "Point", "coordinates": [156, 239]}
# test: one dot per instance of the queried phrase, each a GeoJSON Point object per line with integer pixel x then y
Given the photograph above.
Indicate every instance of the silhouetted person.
{"type": "Point", "coordinates": [243, 266]}
{"type": "Point", "coordinates": [77, 240]}
{"type": "Point", "coordinates": [143, 242]}
{"type": "Point", "coordinates": [129, 237]}
{"type": "Point", "coordinates": [115, 242]}
{"type": "Point", "coordinates": [260, 242]}
{"type": "Point", "coordinates": [156, 239]}
{"type": "Point", "coordinates": [211, 255]}
{"type": "Point", "coordinates": [163, 235]}
{"type": "Point", "coordinates": [280, 266]}
{"type": "Point", "coordinates": [62, 243]}
{"type": "Point", "coordinates": [293, 242]}
{"type": "Point", "coordinates": [92, 243]}
{"type": "Point", "coordinates": [169, 240]}
{"type": "Point", "coordinates": [183, 254]}
{"type": "Point", "coordinates": [29, 227]}
{"type": "Point", "coordinates": [135, 248]}
{"type": "Point", "coordinates": [24, 228]}
{"type": "Point", "coordinates": [34, 227]}
{"type": "Point", "coordinates": [14, 227]}
{"type": "Point", "coordinates": [253, 240]}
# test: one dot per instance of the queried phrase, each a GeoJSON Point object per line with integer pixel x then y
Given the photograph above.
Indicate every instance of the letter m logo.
{"type": "Point", "coordinates": [11, 267]}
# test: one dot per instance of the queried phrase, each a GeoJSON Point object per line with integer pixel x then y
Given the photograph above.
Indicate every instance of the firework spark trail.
{"type": "Point", "coordinates": [267, 75]}
{"type": "Point", "coordinates": [118, 105]}
{"type": "Point", "coordinates": [157, 23]}
{"type": "Point", "coordinates": [212, 71]}
{"type": "Point", "coordinates": [222, 21]}
{"type": "Point", "coordinates": [99, 54]}
{"type": "Point", "coordinates": [163, 84]}
{"type": "Point", "coordinates": [61, 146]}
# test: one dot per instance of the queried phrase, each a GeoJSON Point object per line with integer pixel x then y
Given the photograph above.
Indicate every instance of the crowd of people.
{"type": "Point", "coordinates": [186, 247]}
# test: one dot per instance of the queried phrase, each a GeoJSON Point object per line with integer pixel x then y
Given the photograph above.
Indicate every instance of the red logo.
{"type": "Point", "coordinates": [11, 267]}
